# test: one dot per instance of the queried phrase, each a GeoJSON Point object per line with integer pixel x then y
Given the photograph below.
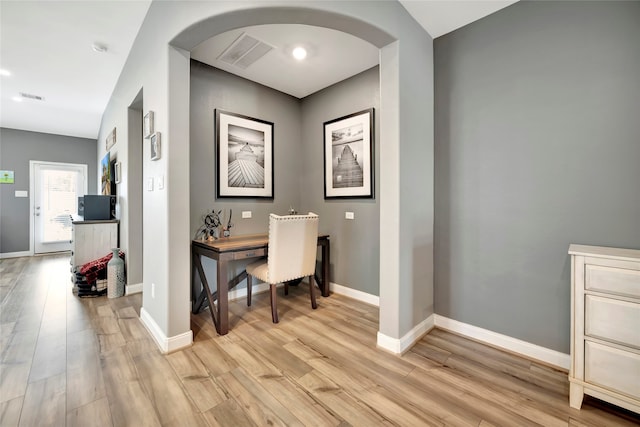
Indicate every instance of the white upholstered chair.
{"type": "Point", "coordinates": [293, 241]}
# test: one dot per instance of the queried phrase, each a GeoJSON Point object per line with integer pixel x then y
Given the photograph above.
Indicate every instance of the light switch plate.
{"type": "Point", "coordinates": [22, 193]}
{"type": "Point", "coordinates": [246, 214]}
{"type": "Point", "coordinates": [150, 184]}
{"type": "Point", "coordinates": [349, 215]}
{"type": "Point", "coordinates": [161, 182]}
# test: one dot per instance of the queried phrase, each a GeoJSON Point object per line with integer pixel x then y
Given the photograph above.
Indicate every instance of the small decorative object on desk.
{"type": "Point", "coordinates": [292, 211]}
{"type": "Point", "coordinates": [115, 275]}
{"type": "Point", "coordinates": [226, 231]}
{"type": "Point", "coordinates": [209, 229]}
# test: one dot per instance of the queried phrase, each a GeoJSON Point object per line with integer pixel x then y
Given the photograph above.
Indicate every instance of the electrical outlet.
{"type": "Point", "coordinates": [246, 214]}
{"type": "Point", "coordinates": [349, 215]}
{"type": "Point", "coordinates": [153, 290]}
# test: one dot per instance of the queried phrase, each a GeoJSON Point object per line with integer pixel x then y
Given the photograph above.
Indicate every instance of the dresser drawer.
{"type": "Point", "coordinates": [612, 320]}
{"type": "Point", "coordinates": [612, 368]}
{"type": "Point", "coordinates": [620, 281]}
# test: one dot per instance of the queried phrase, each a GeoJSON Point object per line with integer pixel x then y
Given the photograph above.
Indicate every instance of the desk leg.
{"type": "Point", "coordinates": [198, 301]}
{"type": "Point", "coordinates": [207, 290]}
{"type": "Point", "coordinates": [223, 298]}
{"type": "Point", "coordinates": [326, 260]}
{"type": "Point", "coordinates": [194, 291]}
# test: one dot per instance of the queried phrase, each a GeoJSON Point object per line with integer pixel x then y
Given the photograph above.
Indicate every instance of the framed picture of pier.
{"type": "Point", "coordinates": [244, 156]}
{"type": "Point", "coordinates": [348, 156]}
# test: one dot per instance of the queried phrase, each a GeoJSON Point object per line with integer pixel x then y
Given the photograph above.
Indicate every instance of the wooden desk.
{"type": "Point", "coordinates": [232, 249]}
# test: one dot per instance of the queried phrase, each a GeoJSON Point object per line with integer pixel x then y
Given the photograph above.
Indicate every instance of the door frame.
{"type": "Point", "coordinates": [32, 186]}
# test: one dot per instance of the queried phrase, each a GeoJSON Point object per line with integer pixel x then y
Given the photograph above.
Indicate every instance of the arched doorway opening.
{"type": "Point", "coordinates": [179, 76]}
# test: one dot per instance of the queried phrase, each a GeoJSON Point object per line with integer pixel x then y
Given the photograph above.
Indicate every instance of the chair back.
{"type": "Point", "coordinates": [293, 242]}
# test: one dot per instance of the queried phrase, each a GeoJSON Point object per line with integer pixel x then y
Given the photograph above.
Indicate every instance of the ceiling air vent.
{"type": "Point", "coordinates": [244, 51]}
{"type": "Point", "coordinates": [31, 96]}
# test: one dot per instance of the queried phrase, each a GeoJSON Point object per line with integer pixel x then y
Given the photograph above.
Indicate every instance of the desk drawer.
{"type": "Point", "coordinates": [612, 320]}
{"type": "Point", "coordinates": [248, 254]}
{"type": "Point", "coordinates": [612, 368]}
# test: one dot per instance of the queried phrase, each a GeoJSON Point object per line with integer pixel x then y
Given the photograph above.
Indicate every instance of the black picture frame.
{"type": "Point", "coordinates": [349, 156]}
{"type": "Point", "coordinates": [248, 142]}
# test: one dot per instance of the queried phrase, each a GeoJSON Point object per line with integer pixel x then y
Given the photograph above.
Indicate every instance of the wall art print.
{"type": "Point", "coordinates": [348, 156]}
{"type": "Point", "coordinates": [244, 156]}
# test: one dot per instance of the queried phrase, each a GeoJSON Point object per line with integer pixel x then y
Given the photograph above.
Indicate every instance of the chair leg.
{"type": "Point", "coordinates": [249, 288]}
{"type": "Point", "coordinates": [312, 292]}
{"type": "Point", "coordinates": [274, 308]}
{"type": "Point", "coordinates": [286, 288]}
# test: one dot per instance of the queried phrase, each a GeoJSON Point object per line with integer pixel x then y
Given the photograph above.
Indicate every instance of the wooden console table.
{"type": "Point", "coordinates": [231, 249]}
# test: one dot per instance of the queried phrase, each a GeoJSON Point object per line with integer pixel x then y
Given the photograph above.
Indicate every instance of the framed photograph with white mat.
{"type": "Point", "coordinates": [244, 156]}
{"type": "Point", "coordinates": [155, 146]}
{"type": "Point", "coordinates": [348, 156]}
{"type": "Point", "coordinates": [148, 125]}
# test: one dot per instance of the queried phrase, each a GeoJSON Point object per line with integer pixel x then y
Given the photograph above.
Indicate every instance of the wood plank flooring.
{"type": "Point", "coordinates": [90, 362]}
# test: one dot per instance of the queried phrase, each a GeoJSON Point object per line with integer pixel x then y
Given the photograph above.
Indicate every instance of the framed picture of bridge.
{"type": "Point", "coordinates": [348, 156]}
{"type": "Point", "coordinates": [244, 156]}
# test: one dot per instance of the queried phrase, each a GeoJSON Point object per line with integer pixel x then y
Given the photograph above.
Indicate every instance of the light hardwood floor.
{"type": "Point", "coordinates": [90, 362]}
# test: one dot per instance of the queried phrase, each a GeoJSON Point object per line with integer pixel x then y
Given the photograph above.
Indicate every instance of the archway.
{"type": "Point", "coordinates": [186, 40]}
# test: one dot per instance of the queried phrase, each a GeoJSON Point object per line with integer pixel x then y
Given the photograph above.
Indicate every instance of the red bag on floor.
{"type": "Point", "coordinates": [91, 269]}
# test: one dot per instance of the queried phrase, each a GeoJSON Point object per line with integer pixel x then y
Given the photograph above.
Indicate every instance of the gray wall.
{"type": "Point", "coordinates": [173, 28]}
{"type": "Point", "coordinates": [17, 148]}
{"type": "Point", "coordinates": [298, 166]}
{"type": "Point", "coordinates": [537, 146]}
{"type": "Point", "coordinates": [355, 244]}
{"type": "Point", "coordinates": [212, 88]}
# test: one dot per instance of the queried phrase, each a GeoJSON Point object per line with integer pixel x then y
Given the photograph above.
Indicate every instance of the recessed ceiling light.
{"type": "Point", "coordinates": [17, 98]}
{"type": "Point", "coordinates": [99, 47]}
{"type": "Point", "coordinates": [299, 53]}
{"type": "Point", "coordinates": [4, 72]}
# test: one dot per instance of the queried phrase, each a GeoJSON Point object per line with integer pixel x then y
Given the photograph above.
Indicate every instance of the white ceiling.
{"type": "Point", "coordinates": [47, 47]}
{"type": "Point", "coordinates": [330, 57]}
{"type": "Point", "coordinates": [440, 17]}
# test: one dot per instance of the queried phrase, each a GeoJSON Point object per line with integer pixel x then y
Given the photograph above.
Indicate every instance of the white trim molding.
{"type": "Point", "coordinates": [514, 345]}
{"type": "Point", "coordinates": [15, 254]}
{"type": "Point", "coordinates": [135, 288]}
{"type": "Point", "coordinates": [242, 292]}
{"type": "Point", "coordinates": [333, 287]}
{"type": "Point", "coordinates": [355, 294]}
{"type": "Point", "coordinates": [399, 346]}
{"type": "Point", "coordinates": [166, 344]}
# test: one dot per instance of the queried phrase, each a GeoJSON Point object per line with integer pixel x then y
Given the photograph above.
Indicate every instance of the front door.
{"type": "Point", "coordinates": [56, 189]}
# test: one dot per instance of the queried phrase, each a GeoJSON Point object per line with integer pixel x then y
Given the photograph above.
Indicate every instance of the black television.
{"type": "Point", "coordinates": [98, 207]}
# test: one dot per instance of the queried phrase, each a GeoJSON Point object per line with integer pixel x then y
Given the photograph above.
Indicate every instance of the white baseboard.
{"type": "Point", "coordinates": [135, 288]}
{"type": "Point", "coordinates": [355, 294]}
{"type": "Point", "coordinates": [242, 293]}
{"type": "Point", "coordinates": [166, 344]}
{"type": "Point", "coordinates": [15, 254]}
{"type": "Point", "coordinates": [514, 345]}
{"type": "Point", "coordinates": [399, 346]}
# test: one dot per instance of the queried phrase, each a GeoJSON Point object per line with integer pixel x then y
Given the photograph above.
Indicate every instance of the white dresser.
{"type": "Point", "coordinates": [92, 240]}
{"type": "Point", "coordinates": [605, 325]}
